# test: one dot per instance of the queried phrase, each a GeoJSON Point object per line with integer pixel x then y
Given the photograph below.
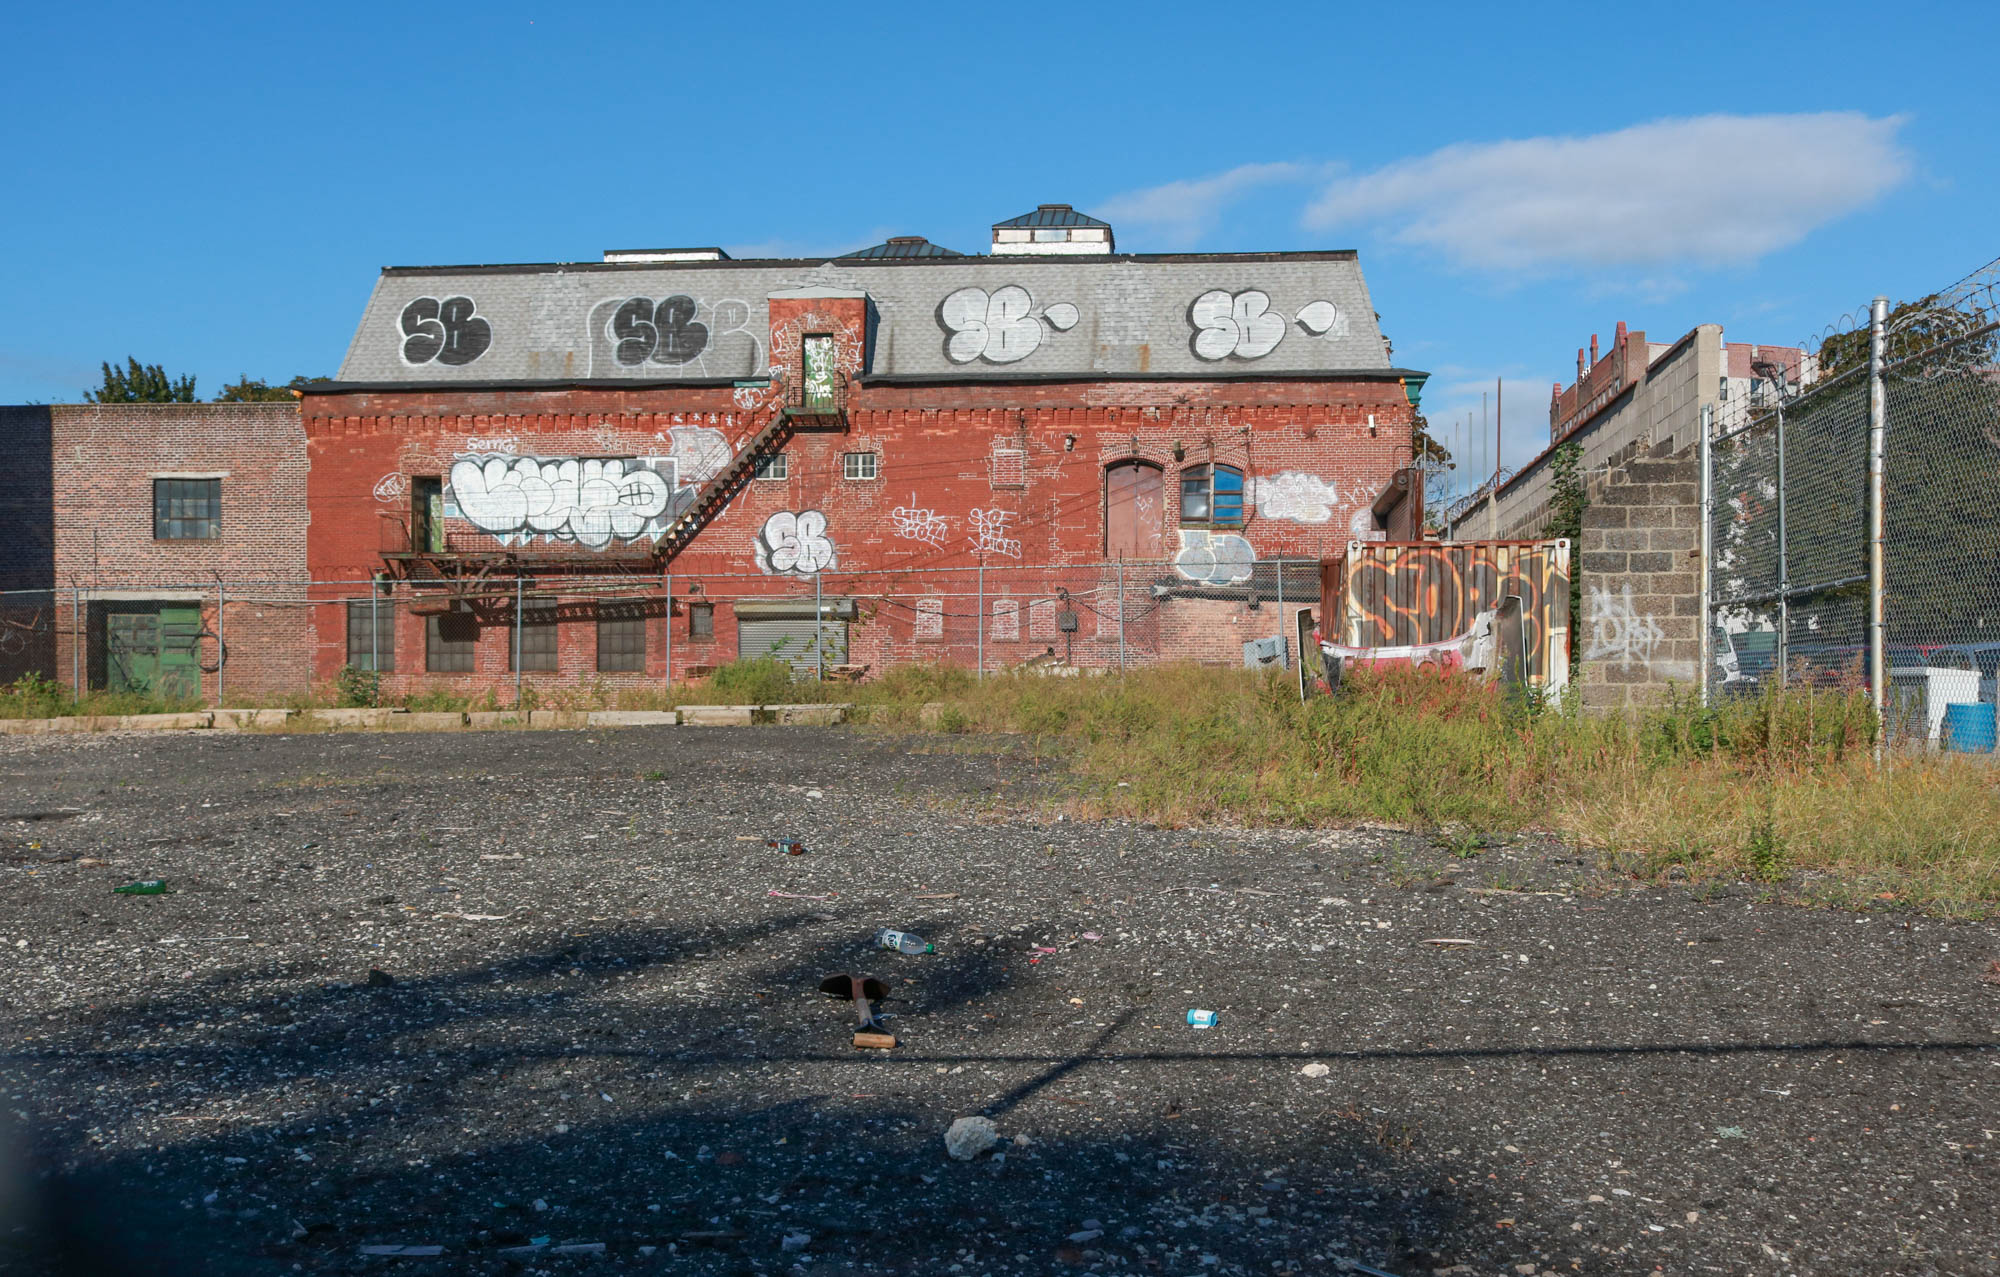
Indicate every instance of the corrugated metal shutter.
{"type": "Point", "coordinates": [790, 639]}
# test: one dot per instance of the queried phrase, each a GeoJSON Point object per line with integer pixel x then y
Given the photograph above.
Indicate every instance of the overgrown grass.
{"type": "Point", "coordinates": [1774, 790]}
{"type": "Point", "coordinates": [32, 696]}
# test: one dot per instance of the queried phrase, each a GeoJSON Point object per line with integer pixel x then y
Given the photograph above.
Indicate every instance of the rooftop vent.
{"type": "Point", "coordinates": [635, 256]}
{"type": "Point", "coordinates": [1052, 230]}
{"type": "Point", "coordinates": [906, 246]}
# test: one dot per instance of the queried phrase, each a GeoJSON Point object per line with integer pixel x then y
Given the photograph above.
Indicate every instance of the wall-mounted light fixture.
{"type": "Point", "coordinates": [1371, 425]}
{"type": "Point", "coordinates": [1069, 443]}
{"type": "Point", "coordinates": [1180, 451]}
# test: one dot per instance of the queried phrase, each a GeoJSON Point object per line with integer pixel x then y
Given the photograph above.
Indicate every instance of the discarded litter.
{"type": "Point", "coordinates": [407, 1252]}
{"type": "Point", "coordinates": [1446, 940]}
{"type": "Point", "coordinates": [512, 855]}
{"type": "Point", "coordinates": [790, 846]}
{"type": "Point", "coordinates": [1315, 1069]}
{"type": "Point", "coordinates": [795, 1241]}
{"type": "Point", "coordinates": [1092, 935]}
{"type": "Point", "coordinates": [150, 887]}
{"type": "Point", "coordinates": [863, 991]}
{"type": "Point", "coordinates": [1730, 1133]}
{"type": "Point", "coordinates": [968, 1137]}
{"type": "Point", "coordinates": [1199, 1019]}
{"type": "Point", "coordinates": [793, 895]}
{"type": "Point", "coordinates": [906, 942]}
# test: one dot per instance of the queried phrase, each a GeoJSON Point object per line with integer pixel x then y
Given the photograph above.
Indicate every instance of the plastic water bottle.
{"type": "Point", "coordinates": [150, 887]}
{"type": "Point", "coordinates": [903, 942]}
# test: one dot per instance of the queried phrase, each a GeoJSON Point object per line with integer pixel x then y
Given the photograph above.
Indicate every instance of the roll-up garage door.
{"type": "Point", "coordinates": [790, 638]}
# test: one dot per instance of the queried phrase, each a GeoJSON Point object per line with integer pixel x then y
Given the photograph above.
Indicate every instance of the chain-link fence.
{"type": "Point", "coordinates": [1800, 592]}
{"type": "Point", "coordinates": [250, 642]}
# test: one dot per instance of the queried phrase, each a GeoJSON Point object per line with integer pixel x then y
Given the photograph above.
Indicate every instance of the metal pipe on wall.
{"type": "Point", "coordinates": [979, 657]}
{"type": "Point", "coordinates": [518, 654]}
{"type": "Point", "coordinates": [1784, 556]}
{"type": "Point", "coordinates": [670, 630]}
{"type": "Point", "coordinates": [1705, 639]}
{"type": "Point", "coordinates": [1878, 440]}
{"type": "Point", "coordinates": [75, 641]}
{"type": "Point", "coordinates": [221, 639]}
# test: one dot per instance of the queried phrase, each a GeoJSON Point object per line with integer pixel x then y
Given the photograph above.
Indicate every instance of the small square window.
{"type": "Point", "coordinates": [621, 639]}
{"type": "Point", "coordinates": [538, 636]}
{"type": "Point", "coordinates": [187, 509]}
{"type": "Point", "coordinates": [857, 465]}
{"type": "Point", "coordinates": [701, 620]}
{"type": "Point", "coordinates": [450, 642]}
{"type": "Point", "coordinates": [376, 651]}
{"type": "Point", "coordinates": [776, 466]}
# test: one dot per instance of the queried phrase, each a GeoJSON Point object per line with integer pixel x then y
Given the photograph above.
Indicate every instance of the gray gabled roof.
{"type": "Point", "coordinates": [1052, 215]}
{"type": "Point", "coordinates": [905, 246]}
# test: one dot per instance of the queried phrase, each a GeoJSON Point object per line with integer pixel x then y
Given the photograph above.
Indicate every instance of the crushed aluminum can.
{"type": "Point", "coordinates": [1199, 1019]}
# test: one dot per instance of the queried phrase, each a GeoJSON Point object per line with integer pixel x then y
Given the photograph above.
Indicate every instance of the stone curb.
{"type": "Point", "coordinates": [402, 720]}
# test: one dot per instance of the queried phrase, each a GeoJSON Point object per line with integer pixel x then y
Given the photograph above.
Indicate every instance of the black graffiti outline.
{"type": "Point", "coordinates": [449, 331]}
{"type": "Point", "coordinates": [664, 331]}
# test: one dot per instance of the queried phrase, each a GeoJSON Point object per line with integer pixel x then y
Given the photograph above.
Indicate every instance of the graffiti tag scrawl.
{"type": "Point", "coordinates": [794, 543]}
{"type": "Point", "coordinates": [591, 501]}
{"type": "Point", "coordinates": [998, 327]}
{"type": "Point", "coordinates": [1243, 325]}
{"type": "Point", "coordinates": [447, 331]}
{"type": "Point", "coordinates": [1214, 559]}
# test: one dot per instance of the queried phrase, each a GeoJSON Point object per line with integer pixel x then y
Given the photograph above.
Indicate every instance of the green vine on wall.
{"type": "Point", "coordinates": [1568, 499]}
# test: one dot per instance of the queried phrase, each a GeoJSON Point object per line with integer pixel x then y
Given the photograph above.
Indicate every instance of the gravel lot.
{"type": "Point", "coordinates": [605, 1028]}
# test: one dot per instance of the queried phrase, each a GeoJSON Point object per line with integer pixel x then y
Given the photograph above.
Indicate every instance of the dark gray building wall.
{"type": "Point", "coordinates": [27, 499]}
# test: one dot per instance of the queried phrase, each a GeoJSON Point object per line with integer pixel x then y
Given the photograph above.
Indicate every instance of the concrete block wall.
{"type": "Point", "coordinates": [1640, 567]}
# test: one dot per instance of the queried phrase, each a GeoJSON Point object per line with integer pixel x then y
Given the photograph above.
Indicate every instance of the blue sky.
{"type": "Point", "coordinates": [214, 189]}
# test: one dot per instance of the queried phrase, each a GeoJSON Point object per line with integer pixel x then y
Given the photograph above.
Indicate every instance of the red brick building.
{"type": "Point", "coordinates": [176, 545]}
{"type": "Point", "coordinates": [1101, 445]}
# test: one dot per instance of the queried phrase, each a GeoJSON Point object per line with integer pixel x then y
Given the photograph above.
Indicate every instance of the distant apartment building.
{"type": "Point", "coordinates": [1639, 392]}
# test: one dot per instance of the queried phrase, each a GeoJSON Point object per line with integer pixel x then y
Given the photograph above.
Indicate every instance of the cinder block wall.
{"type": "Point", "coordinates": [1641, 576]}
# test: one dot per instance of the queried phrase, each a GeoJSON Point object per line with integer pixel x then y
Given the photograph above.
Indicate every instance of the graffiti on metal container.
{"type": "Point", "coordinates": [989, 533]}
{"type": "Point", "coordinates": [1391, 596]}
{"type": "Point", "coordinates": [914, 523]}
{"type": "Point", "coordinates": [1241, 325]}
{"type": "Point", "coordinates": [591, 501]}
{"type": "Point", "coordinates": [390, 487]}
{"type": "Point", "coordinates": [1297, 497]}
{"type": "Point", "coordinates": [1619, 633]}
{"type": "Point", "coordinates": [999, 327]}
{"type": "Point", "coordinates": [794, 543]}
{"type": "Point", "coordinates": [1214, 558]}
{"type": "Point", "coordinates": [449, 331]}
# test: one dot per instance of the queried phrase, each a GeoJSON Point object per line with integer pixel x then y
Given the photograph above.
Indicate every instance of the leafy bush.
{"type": "Point", "coordinates": [357, 688]}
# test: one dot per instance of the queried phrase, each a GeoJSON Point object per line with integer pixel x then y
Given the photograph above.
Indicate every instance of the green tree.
{"type": "Point", "coordinates": [248, 390]}
{"type": "Point", "coordinates": [140, 383]}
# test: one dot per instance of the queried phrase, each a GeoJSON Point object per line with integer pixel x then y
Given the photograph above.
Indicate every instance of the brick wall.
{"type": "Point", "coordinates": [1641, 579]}
{"type": "Point", "coordinates": [1015, 473]}
{"type": "Point", "coordinates": [104, 459]}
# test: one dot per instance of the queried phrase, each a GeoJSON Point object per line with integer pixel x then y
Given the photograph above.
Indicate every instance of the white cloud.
{"type": "Point", "coordinates": [1715, 190]}
{"type": "Point", "coordinates": [1181, 212]}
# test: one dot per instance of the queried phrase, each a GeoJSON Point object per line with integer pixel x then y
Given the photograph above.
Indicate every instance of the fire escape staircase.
{"type": "Point", "coordinates": [715, 495]}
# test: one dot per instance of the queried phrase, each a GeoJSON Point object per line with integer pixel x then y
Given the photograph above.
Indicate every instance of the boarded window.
{"type": "Point", "coordinates": [538, 635]}
{"type": "Point", "coordinates": [187, 509]}
{"type": "Point", "coordinates": [621, 639]}
{"type": "Point", "coordinates": [1006, 621]}
{"type": "Point", "coordinates": [371, 634]}
{"type": "Point", "coordinates": [1133, 511]}
{"type": "Point", "coordinates": [1010, 468]}
{"type": "Point", "coordinates": [450, 641]}
{"type": "Point", "coordinates": [930, 620]}
{"type": "Point", "coordinates": [1042, 619]}
{"type": "Point", "coordinates": [701, 621]}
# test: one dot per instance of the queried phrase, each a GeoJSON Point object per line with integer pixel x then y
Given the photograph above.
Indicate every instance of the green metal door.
{"type": "Point", "coordinates": [131, 651]}
{"type": "Point", "coordinates": [154, 649]}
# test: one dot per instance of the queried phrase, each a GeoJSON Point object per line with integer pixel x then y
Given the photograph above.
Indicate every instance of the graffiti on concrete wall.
{"type": "Point", "coordinates": [1214, 558]}
{"type": "Point", "coordinates": [989, 533]}
{"type": "Point", "coordinates": [999, 327]}
{"type": "Point", "coordinates": [916, 523]}
{"type": "Point", "coordinates": [449, 331]}
{"type": "Point", "coordinates": [1619, 633]}
{"type": "Point", "coordinates": [794, 543]}
{"type": "Point", "coordinates": [1296, 497]}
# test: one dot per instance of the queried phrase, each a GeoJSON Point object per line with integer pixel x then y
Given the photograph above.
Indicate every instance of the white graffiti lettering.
{"type": "Point", "coordinates": [1214, 559]}
{"type": "Point", "coordinates": [1618, 633]}
{"type": "Point", "coordinates": [1322, 319]}
{"type": "Point", "coordinates": [590, 501]}
{"type": "Point", "coordinates": [1297, 497]}
{"type": "Point", "coordinates": [915, 524]}
{"type": "Point", "coordinates": [699, 452]}
{"type": "Point", "coordinates": [502, 443]}
{"type": "Point", "coordinates": [794, 543]}
{"type": "Point", "coordinates": [997, 327]}
{"type": "Point", "coordinates": [989, 533]}
{"type": "Point", "coordinates": [390, 488]}
{"type": "Point", "coordinates": [1243, 325]}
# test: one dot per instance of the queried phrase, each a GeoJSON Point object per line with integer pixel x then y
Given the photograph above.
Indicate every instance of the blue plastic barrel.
{"type": "Point", "coordinates": [1969, 728]}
